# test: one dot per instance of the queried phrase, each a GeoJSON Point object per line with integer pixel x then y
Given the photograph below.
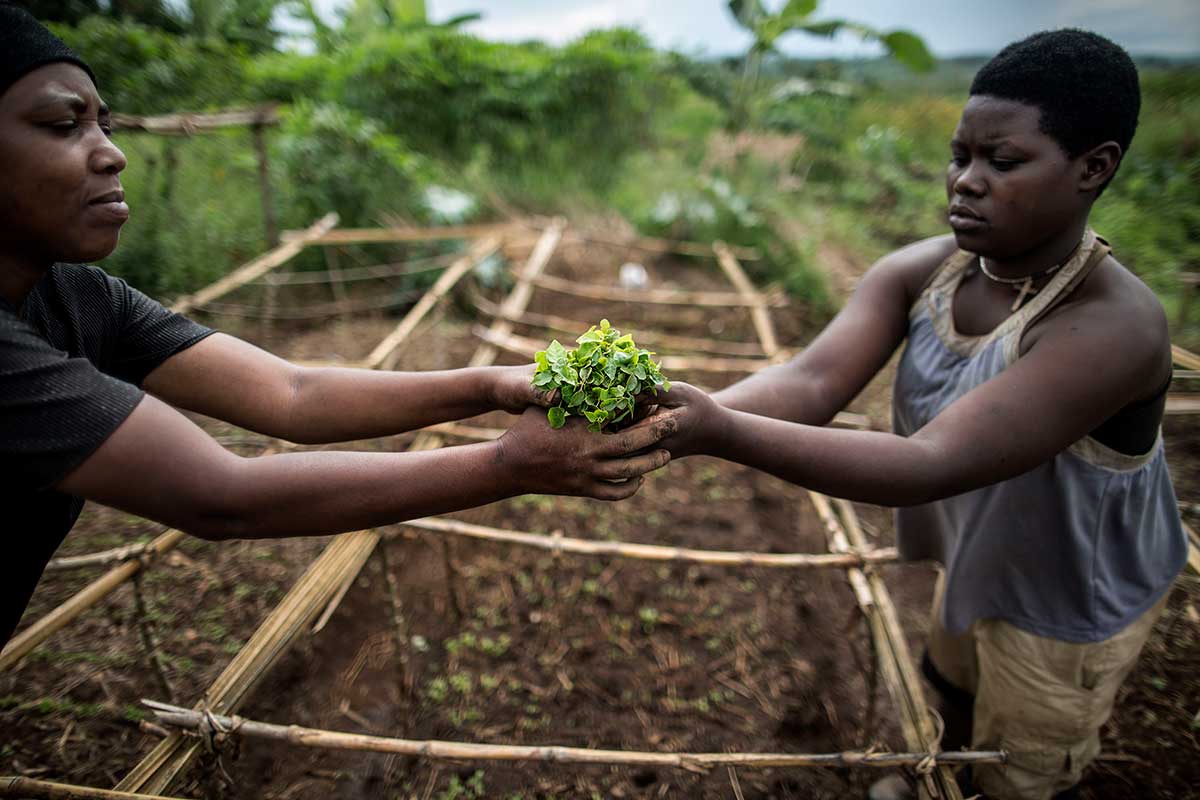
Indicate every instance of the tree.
{"type": "Point", "coordinates": [242, 22]}
{"type": "Point", "coordinates": [796, 16]}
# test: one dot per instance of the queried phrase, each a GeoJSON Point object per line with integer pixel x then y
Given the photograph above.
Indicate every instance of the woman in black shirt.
{"type": "Point", "coordinates": [92, 371]}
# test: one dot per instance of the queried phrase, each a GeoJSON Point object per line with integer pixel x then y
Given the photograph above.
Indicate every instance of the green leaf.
{"type": "Point", "coordinates": [748, 13]}
{"type": "Point", "coordinates": [557, 417]}
{"type": "Point", "coordinates": [798, 9]}
{"type": "Point", "coordinates": [909, 50]}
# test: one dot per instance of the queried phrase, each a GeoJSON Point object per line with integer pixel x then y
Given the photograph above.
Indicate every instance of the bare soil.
{"type": "Point", "coordinates": [510, 645]}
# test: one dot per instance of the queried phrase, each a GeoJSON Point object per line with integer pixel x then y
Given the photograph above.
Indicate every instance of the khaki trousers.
{"type": "Point", "coordinates": [1042, 700]}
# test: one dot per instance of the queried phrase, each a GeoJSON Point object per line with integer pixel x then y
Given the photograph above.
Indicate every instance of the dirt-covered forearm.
{"type": "Point", "coordinates": [301, 494]}
{"type": "Point", "coordinates": [782, 391]}
{"type": "Point", "coordinates": [870, 467]}
{"type": "Point", "coordinates": [338, 405]}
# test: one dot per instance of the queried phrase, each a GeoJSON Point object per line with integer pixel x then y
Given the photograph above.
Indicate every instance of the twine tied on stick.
{"type": "Point", "coordinates": [217, 738]}
{"type": "Point", "coordinates": [928, 764]}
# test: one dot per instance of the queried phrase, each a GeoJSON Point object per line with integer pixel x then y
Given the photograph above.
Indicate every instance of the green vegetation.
{"type": "Point", "coordinates": [598, 380]}
{"type": "Point", "coordinates": [798, 159]}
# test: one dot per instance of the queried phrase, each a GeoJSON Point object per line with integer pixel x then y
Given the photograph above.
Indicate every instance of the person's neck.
{"type": "Point", "coordinates": [18, 277]}
{"type": "Point", "coordinates": [1045, 256]}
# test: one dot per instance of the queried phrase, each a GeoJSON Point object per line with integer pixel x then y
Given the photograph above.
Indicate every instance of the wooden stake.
{"type": "Point", "coordinates": [759, 314]}
{"type": "Point", "coordinates": [653, 552]}
{"type": "Point", "coordinates": [337, 285]}
{"type": "Point", "coordinates": [270, 299]}
{"type": "Point", "coordinates": [397, 617]}
{"type": "Point", "coordinates": [452, 581]}
{"type": "Point", "coordinates": [434, 749]}
{"type": "Point", "coordinates": [270, 228]}
{"type": "Point", "coordinates": [149, 640]}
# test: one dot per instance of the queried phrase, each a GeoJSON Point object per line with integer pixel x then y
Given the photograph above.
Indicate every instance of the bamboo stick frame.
{"type": "Point", "coordinates": [650, 244]}
{"type": "Point", "coordinates": [895, 659]}
{"type": "Point", "coordinates": [895, 664]}
{"type": "Point", "coordinates": [653, 552]}
{"type": "Point", "coordinates": [322, 586]}
{"type": "Point", "coordinates": [1193, 548]}
{"type": "Point", "coordinates": [415, 266]}
{"type": "Point", "coordinates": [670, 297]}
{"type": "Point", "coordinates": [759, 314]}
{"type": "Point", "coordinates": [189, 124]}
{"type": "Point", "coordinates": [98, 559]}
{"type": "Point", "coordinates": [331, 575]}
{"type": "Point", "coordinates": [524, 346]}
{"type": "Point", "coordinates": [1182, 404]}
{"type": "Point", "coordinates": [257, 268]}
{"type": "Point", "coordinates": [343, 236]}
{"type": "Point", "coordinates": [435, 749]}
{"type": "Point", "coordinates": [1185, 358]}
{"type": "Point", "coordinates": [20, 645]}
{"type": "Point", "coordinates": [272, 311]}
{"type": "Point", "coordinates": [445, 282]}
{"type": "Point", "coordinates": [651, 338]}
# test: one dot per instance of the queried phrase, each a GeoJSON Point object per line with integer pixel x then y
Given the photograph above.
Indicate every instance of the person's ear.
{"type": "Point", "coordinates": [1098, 165]}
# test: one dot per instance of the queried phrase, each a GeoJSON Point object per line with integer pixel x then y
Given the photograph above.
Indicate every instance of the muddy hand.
{"type": "Point", "coordinates": [573, 460]}
{"type": "Point", "coordinates": [698, 420]}
{"type": "Point", "coordinates": [513, 390]}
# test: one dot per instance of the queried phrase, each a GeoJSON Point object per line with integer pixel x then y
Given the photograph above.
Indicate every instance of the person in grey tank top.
{"type": "Point", "coordinates": [1026, 455]}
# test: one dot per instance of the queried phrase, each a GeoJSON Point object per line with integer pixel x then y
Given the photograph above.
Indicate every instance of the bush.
{"type": "Point", "coordinates": [142, 70]}
{"type": "Point", "coordinates": [334, 159]}
{"type": "Point", "coordinates": [525, 106]}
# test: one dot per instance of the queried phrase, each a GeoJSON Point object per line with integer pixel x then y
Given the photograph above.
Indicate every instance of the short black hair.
{"type": "Point", "coordinates": [1085, 86]}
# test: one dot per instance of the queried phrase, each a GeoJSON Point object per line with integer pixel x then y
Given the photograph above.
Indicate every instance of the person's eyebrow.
{"type": "Point", "coordinates": [55, 98]}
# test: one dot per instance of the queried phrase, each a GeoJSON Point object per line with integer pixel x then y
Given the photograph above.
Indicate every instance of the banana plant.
{"type": "Point", "coordinates": [796, 16]}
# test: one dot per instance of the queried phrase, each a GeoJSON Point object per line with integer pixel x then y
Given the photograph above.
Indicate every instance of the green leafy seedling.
{"type": "Point", "coordinates": [598, 380]}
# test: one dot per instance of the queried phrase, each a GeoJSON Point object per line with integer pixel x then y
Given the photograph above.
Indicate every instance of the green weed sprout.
{"type": "Point", "coordinates": [599, 379]}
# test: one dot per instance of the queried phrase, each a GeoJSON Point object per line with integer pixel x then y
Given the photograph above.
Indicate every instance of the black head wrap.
{"type": "Point", "coordinates": [25, 45]}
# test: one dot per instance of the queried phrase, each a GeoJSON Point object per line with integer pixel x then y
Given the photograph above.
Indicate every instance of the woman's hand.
{"type": "Point", "coordinates": [511, 389]}
{"type": "Point", "coordinates": [573, 460]}
{"type": "Point", "coordinates": [699, 420]}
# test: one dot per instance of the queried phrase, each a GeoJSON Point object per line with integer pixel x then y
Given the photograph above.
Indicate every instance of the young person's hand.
{"type": "Point", "coordinates": [699, 420]}
{"type": "Point", "coordinates": [573, 460]}
{"type": "Point", "coordinates": [512, 389]}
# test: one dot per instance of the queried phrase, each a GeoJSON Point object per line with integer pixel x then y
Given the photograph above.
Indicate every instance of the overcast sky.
{"type": "Point", "coordinates": [949, 27]}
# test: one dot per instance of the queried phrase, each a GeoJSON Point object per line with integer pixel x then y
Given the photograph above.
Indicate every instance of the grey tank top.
{"type": "Point", "coordinates": [1075, 549]}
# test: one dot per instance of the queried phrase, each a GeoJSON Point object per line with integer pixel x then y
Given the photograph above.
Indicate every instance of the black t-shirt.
{"type": "Point", "coordinates": [71, 362]}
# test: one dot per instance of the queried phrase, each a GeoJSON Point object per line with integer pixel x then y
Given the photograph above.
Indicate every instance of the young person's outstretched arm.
{"type": "Point", "coordinates": [824, 377]}
{"type": "Point", "coordinates": [159, 465]}
{"type": "Point", "coordinates": [1085, 363]}
{"type": "Point", "coordinates": [229, 379]}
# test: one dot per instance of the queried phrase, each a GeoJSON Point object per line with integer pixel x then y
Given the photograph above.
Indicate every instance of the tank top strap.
{"type": "Point", "coordinates": [939, 286]}
{"type": "Point", "coordinates": [1092, 250]}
